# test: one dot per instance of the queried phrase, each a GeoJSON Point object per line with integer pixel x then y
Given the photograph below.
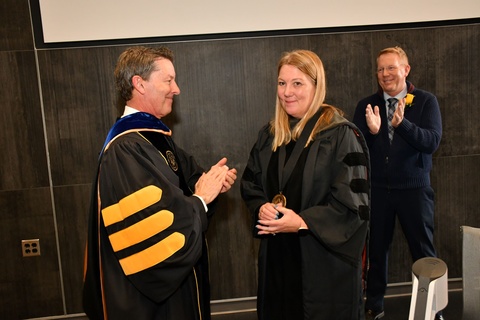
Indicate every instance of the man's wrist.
{"type": "Point", "coordinates": [203, 202]}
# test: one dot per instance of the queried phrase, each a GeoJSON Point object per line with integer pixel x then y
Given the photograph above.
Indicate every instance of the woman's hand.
{"type": "Point", "coordinates": [268, 222]}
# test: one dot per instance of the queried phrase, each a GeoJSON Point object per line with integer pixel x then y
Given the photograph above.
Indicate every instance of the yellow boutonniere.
{"type": "Point", "coordinates": [409, 100]}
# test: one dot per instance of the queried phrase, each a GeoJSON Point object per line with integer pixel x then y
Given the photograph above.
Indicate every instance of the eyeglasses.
{"type": "Point", "coordinates": [389, 69]}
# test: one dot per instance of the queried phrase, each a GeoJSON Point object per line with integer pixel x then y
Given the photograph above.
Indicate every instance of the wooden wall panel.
{"type": "Point", "coordinates": [16, 27]}
{"type": "Point", "coordinates": [72, 205]}
{"type": "Point", "coordinates": [79, 98]}
{"type": "Point", "coordinates": [456, 180]}
{"type": "Point", "coordinates": [23, 160]}
{"type": "Point", "coordinates": [349, 67]}
{"type": "Point", "coordinates": [457, 65]}
{"type": "Point", "coordinates": [29, 286]}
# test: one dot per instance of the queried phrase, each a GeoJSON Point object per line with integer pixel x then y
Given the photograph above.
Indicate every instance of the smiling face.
{"type": "Point", "coordinates": [392, 73]}
{"type": "Point", "coordinates": [159, 89]}
{"type": "Point", "coordinates": [295, 91]}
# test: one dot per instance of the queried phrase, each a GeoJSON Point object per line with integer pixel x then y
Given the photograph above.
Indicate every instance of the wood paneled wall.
{"type": "Point", "coordinates": [58, 105]}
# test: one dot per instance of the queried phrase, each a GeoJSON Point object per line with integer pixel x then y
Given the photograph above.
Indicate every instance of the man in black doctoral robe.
{"type": "Point", "coordinates": [146, 255]}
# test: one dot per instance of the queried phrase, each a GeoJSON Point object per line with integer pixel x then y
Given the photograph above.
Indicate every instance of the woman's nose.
{"type": "Point", "coordinates": [287, 91]}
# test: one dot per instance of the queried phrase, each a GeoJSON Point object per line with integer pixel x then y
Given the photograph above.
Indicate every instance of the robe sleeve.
{"type": "Point", "coordinates": [192, 172]}
{"type": "Point", "coordinates": [153, 229]}
{"type": "Point", "coordinates": [251, 184]}
{"type": "Point", "coordinates": [339, 219]}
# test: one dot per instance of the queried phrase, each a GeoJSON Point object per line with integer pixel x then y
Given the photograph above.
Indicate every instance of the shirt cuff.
{"type": "Point", "coordinates": [203, 201]}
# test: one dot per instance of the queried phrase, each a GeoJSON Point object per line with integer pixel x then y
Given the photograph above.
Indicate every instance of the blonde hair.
{"type": "Point", "coordinates": [395, 50]}
{"type": "Point", "coordinates": [310, 64]}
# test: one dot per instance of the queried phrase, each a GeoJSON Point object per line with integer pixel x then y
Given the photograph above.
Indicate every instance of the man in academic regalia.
{"type": "Point", "coordinates": [146, 254]}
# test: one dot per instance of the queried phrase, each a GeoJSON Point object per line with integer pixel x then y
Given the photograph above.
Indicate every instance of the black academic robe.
{"type": "Point", "coordinates": [335, 205]}
{"type": "Point", "coordinates": [145, 255]}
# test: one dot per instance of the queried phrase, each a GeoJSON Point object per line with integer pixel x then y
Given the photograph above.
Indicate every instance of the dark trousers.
{"type": "Point", "coordinates": [415, 211]}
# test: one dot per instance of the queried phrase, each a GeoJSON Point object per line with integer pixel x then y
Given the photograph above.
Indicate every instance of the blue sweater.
{"type": "Point", "coordinates": [407, 162]}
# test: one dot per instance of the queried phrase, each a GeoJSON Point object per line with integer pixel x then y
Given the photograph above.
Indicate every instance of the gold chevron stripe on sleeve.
{"type": "Point", "coordinates": [153, 255]}
{"type": "Point", "coordinates": [131, 204]}
{"type": "Point", "coordinates": [141, 230]}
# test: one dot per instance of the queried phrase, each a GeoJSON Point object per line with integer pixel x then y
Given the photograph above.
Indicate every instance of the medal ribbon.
{"type": "Point", "coordinates": [285, 170]}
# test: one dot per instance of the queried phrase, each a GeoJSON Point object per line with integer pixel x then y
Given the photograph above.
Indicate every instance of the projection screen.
{"type": "Point", "coordinates": [90, 20]}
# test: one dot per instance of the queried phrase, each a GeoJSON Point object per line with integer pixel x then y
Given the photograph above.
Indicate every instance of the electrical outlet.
{"type": "Point", "coordinates": [31, 248]}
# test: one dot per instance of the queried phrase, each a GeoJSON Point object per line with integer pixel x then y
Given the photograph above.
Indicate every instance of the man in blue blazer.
{"type": "Point", "coordinates": [401, 147]}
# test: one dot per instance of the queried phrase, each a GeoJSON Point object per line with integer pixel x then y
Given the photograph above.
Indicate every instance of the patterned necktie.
{"type": "Point", "coordinates": [392, 102]}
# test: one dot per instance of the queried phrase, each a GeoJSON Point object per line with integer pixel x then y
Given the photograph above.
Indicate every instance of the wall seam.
{"type": "Point", "coordinates": [47, 153]}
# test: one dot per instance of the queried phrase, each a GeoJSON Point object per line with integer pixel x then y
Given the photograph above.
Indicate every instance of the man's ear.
{"type": "Point", "coordinates": [137, 83]}
{"type": "Point", "coordinates": [407, 70]}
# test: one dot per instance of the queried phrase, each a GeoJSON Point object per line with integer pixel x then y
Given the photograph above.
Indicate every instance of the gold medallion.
{"type": "Point", "coordinates": [171, 160]}
{"type": "Point", "coordinates": [280, 199]}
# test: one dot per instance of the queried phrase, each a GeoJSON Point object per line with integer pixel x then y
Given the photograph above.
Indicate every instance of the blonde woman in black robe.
{"type": "Point", "coordinates": [307, 186]}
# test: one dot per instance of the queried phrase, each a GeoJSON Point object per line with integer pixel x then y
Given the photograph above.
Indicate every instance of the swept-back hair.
{"type": "Point", "coordinates": [137, 61]}
{"type": "Point", "coordinates": [310, 64]}
{"type": "Point", "coordinates": [396, 50]}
